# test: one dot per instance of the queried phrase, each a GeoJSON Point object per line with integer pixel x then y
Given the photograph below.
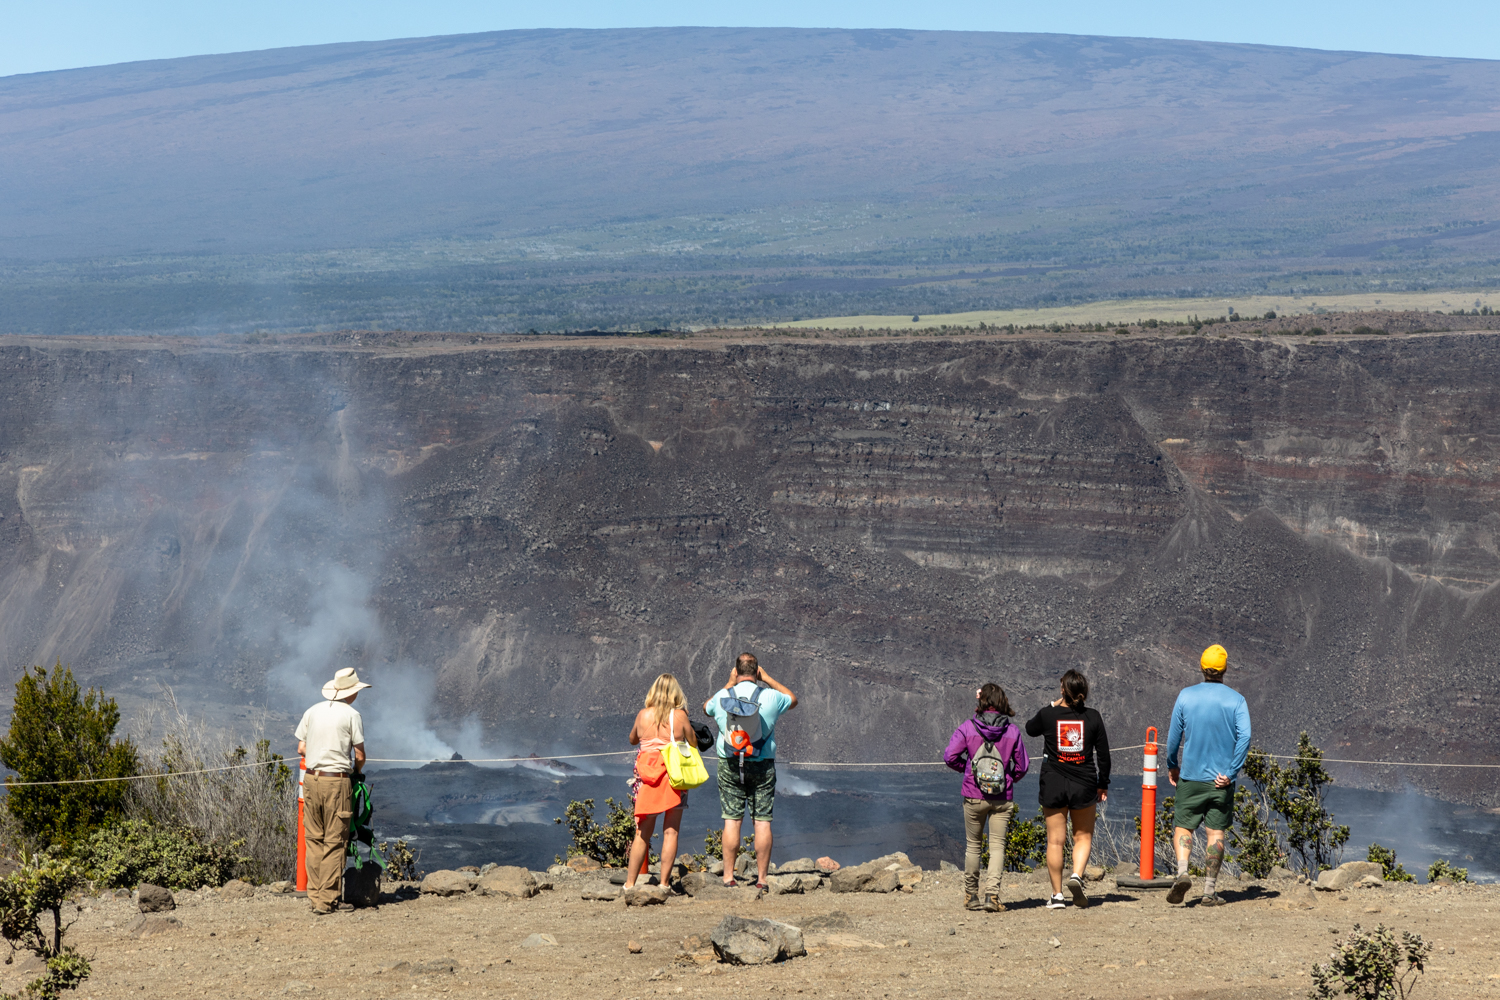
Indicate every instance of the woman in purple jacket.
{"type": "Point", "coordinates": [988, 749]}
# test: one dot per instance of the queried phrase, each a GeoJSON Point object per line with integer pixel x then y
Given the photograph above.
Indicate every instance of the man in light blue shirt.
{"type": "Point", "coordinates": [746, 709]}
{"type": "Point", "coordinates": [1210, 732]}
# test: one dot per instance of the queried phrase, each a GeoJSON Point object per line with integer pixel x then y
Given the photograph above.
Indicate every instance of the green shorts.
{"type": "Point", "coordinates": [757, 791]}
{"type": "Point", "coordinates": [1199, 803]}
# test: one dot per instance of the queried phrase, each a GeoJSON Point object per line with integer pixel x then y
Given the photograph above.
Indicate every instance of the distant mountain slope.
{"type": "Point", "coordinates": [886, 148]}
{"type": "Point", "coordinates": [363, 143]}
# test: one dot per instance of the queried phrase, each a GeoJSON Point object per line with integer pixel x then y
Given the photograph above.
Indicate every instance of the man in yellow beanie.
{"type": "Point", "coordinates": [1211, 732]}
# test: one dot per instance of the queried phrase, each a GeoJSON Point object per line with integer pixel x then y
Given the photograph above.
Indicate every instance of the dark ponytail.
{"type": "Point", "coordinates": [992, 699]}
{"type": "Point", "coordinates": [1075, 689]}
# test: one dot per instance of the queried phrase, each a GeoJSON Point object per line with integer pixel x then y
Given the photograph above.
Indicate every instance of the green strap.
{"type": "Point", "coordinates": [360, 830]}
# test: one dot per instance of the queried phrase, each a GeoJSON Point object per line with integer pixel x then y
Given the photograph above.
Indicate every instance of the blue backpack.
{"type": "Point", "coordinates": [743, 730]}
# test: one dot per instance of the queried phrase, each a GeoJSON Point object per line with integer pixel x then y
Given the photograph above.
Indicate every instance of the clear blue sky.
{"type": "Point", "coordinates": [37, 35]}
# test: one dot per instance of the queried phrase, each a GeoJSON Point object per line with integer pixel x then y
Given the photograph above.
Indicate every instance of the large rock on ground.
{"type": "Point", "coordinates": [510, 880]}
{"type": "Point", "coordinates": [884, 874]}
{"type": "Point", "coordinates": [362, 885]}
{"type": "Point", "coordinates": [756, 942]}
{"type": "Point", "coordinates": [646, 895]}
{"type": "Point", "coordinates": [235, 889]}
{"type": "Point", "coordinates": [447, 883]}
{"type": "Point", "coordinates": [154, 899]}
{"type": "Point", "coordinates": [781, 884]}
{"type": "Point", "coordinates": [800, 866]}
{"type": "Point", "coordinates": [152, 924]}
{"type": "Point", "coordinates": [1346, 875]}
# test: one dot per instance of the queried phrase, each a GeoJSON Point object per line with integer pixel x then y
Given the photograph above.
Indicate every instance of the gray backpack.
{"type": "Point", "coordinates": [988, 769]}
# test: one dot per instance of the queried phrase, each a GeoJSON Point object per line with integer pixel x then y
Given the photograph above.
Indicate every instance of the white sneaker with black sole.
{"type": "Point", "coordinates": [1074, 884]}
{"type": "Point", "coordinates": [1056, 902]}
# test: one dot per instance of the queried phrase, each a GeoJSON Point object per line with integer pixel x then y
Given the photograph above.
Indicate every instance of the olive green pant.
{"type": "Point", "coordinates": [998, 813]}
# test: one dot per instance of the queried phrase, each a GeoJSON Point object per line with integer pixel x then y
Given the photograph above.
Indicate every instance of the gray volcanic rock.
{"type": "Point", "coordinates": [154, 899]}
{"type": "Point", "coordinates": [883, 523]}
{"type": "Point", "coordinates": [756, 942]}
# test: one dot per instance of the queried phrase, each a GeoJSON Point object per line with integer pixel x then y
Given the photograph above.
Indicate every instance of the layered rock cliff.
{"type": "Point", "coordinates": [535, 532]}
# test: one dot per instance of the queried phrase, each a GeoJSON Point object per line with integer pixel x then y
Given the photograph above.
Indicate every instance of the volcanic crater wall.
{"type": "Point", "coordinates": [537, 531]}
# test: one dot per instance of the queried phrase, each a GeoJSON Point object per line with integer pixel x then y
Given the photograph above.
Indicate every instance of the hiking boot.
{"type": "Point", "coordinates": [1214, 900]}
{"type": "Point", "coordinates": [1179, 888]}
{"type": "Point", "coordinates": [1057, 902]}
{"type": "Point", "coordinates": [992, 903]}
{"type": "Point", "coordinates": [1074, 884]}
{"type": "Point", "coordinates": [971, 901]}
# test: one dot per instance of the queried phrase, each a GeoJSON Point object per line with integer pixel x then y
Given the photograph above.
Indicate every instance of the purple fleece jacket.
{"type": "Point", "coordinates": [991, 727]}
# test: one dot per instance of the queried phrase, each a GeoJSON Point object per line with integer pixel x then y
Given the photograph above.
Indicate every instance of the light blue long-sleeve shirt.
{"type": "Point", "coordinates": [1211, 730]}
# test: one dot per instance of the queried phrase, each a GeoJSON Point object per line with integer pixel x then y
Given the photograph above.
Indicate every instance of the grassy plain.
{"type": "Point", "coordinates": [1128, 311]}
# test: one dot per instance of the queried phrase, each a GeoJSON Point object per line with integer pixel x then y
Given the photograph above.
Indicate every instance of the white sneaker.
{"type": "Point", "coordinates": [1057, 902]}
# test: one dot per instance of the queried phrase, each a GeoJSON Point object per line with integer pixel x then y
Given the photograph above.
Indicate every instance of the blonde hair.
{"type": "Point", "coordinates": [665, 697]}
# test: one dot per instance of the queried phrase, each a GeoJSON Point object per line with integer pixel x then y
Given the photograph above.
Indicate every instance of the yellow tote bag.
{"type": "Point", "coordinates": [684, 764]}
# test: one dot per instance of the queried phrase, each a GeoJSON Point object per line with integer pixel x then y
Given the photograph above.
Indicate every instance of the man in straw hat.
{"type": "Point", "coordinates": [1211, 731]}
{"type": "Point", "coordinates": [331, 740]}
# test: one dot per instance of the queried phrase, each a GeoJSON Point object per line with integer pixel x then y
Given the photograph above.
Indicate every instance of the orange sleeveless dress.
{"type": "Point", "coordinates": [655, 793]}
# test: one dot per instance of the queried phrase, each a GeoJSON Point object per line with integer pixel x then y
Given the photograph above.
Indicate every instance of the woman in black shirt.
{"type": "Point", "coordinates": [1074, 780]}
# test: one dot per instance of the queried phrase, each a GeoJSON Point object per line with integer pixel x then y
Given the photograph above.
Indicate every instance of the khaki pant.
{"type": "Point", "coordinates": [999, 814]}
{"type": "Point", "coordinates": [327, 805]}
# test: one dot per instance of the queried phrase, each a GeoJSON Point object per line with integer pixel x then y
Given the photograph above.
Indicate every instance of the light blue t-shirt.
{"type": "Point", "coordinates": [772, 704]}
{"type": "Point", "coordinates": [1211, 730]}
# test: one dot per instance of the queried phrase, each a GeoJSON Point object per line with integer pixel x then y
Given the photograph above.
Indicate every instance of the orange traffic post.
{"type": "Point", "coordinates": [1148, 807]}
{"type": "Point", "coordinates": [301, 830]}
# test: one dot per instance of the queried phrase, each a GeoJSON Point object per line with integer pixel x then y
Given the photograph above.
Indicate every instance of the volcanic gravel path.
{"type": "Point", "coordinates": [918, 944]}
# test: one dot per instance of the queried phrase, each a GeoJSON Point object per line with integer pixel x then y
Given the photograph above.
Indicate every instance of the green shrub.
{"type": "Point", "coordinates": [1442, 869]}
{"type": "Point", "coordinates": [401, 862]}
{"type": "Point", "coordinates": [58, 733]}
{"type": "Point", "coordinates": [41, 886]}
{"type": "Point", "coordinates": [1367, 964]}
{"type": "Point", "coordinates": [1025, 845]}
{"type": "Point", "coordinates": [608, 844]}
{"type": "Point", "coordinates": [1255, 838]}
{"type": "Point", "coordinates": [713, 843]}
{"type": "Point", "coordinates": [129, 853]}
{"type": "Point", "coordinates": [1386, 859]}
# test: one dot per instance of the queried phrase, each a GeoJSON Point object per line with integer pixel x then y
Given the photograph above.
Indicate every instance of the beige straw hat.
{"type": "Point", "coordinates": [345, 684]}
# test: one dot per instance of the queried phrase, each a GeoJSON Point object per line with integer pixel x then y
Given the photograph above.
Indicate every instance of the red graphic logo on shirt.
{"type": "Point", "coordinates": [1070, 741]}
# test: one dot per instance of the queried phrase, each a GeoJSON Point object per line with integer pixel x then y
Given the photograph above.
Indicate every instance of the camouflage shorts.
{"type": "Point", "coordinates": [757, 792]}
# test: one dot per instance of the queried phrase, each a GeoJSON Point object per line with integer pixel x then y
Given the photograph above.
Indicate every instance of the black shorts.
{"type": "Point", "coordinates": [1062, 791]}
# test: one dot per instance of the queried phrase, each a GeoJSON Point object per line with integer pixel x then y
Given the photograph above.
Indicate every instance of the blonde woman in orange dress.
{"type": "Point", "coordinates": [663, 719]}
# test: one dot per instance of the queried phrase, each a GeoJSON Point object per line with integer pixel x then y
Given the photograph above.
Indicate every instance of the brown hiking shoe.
{"type": "Point", "coordinates": [971, 901]}
{"type": "Point", "coordinates": [992, 903]}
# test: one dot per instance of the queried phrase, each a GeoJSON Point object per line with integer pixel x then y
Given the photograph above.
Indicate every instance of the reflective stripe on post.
{"type": "Point", "coordinates": [301, 830]}
{"type": "Point", "coordinates": [1148, 806]}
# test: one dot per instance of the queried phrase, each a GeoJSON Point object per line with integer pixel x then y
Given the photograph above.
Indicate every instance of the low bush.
{"type": "Point", "coordinates": [1390, 870]}
{"type": "Point", "coordinates": [41, 886]}
{"type": "Point", "coordinates": [132, 852]}
{"type": "Point", "coordinates": [607, 843]}
{"type": "Point", "coordinates": [252, 804]}
{"type": "Point", "coordinates": [1025, 845]}
{"type": "Point", "coordinates": [1441, 868]}
{"type": "Point", "coordinates": [402, 864]}
{"type": "Point", "coordinates": [1368, 965]}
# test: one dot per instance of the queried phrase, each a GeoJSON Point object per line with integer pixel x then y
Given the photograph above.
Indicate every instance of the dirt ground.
{"type": "Point", "coordinates": [917, 944]}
